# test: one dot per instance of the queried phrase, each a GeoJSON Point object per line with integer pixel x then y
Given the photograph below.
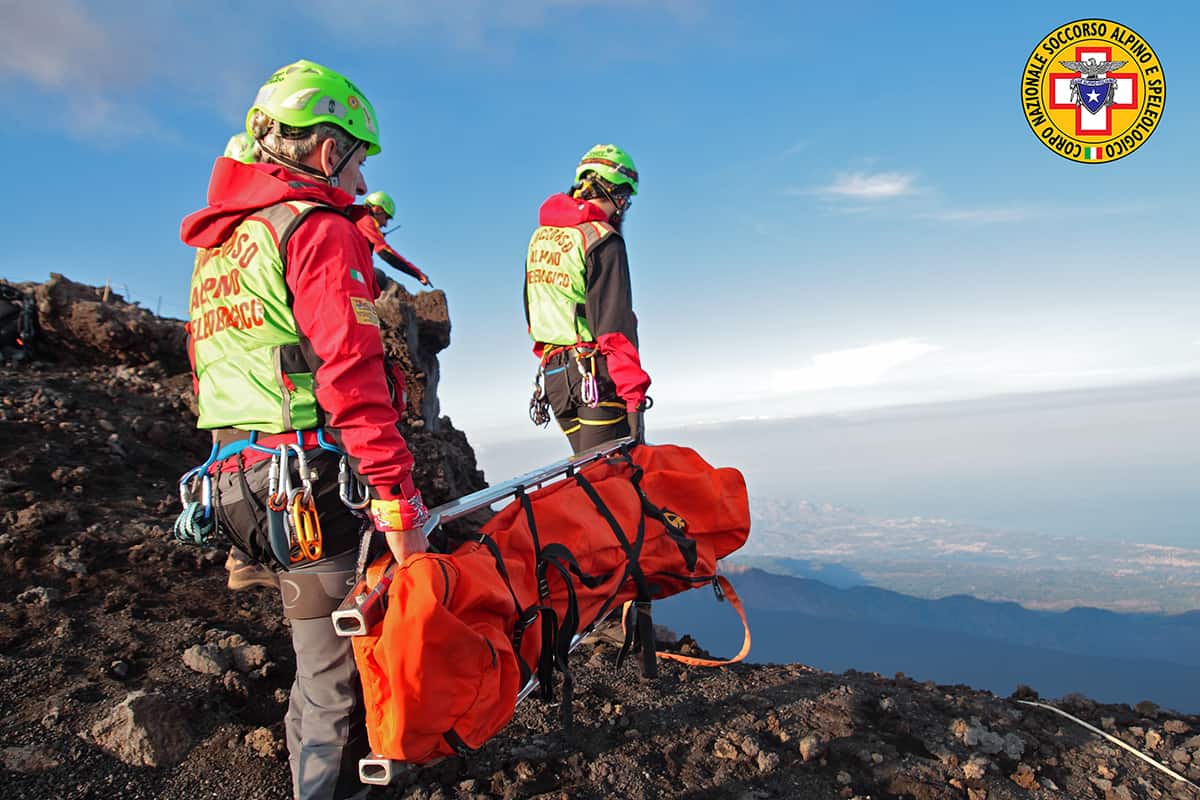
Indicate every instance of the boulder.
{"type": "Point", "coordinates": [144, 730]}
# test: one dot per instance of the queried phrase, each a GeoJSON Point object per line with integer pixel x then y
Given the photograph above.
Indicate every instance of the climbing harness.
{"type": "Point", "coordinates": [293, 523]}
{"type": "Point", "coordinates": [589, 389]}
{"type": "Point", "coordinates": [196, 523]}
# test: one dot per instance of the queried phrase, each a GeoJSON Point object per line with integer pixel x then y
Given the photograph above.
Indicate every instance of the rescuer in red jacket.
{"type": "Point", "coordinates": [379, 210]}
{"type": "Point", "coordinates": [289, 369]}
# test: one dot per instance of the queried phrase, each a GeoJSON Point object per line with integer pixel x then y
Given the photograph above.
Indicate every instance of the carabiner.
{"type": "Point", "coordinates": [185, 485]}
{"type": "Point", "coordinates": [185, 489]}
{"type": "Point", "coordinates": [279, 480]}
{"type": "Point", "coordinates": [589, 392]}
{"type": "Point", "coordinates": [346, 490]}
{"type": "Point", "coordinates": [306, 525]}
{"type": "Point", "coordinates": [206, 494]}
{"type": "Point", "coordinates": [306, 474]}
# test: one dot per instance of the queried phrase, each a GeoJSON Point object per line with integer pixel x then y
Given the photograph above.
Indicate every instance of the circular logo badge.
{"type": "Point", "coordinates": [1093, 91]}
{"type": "Point", "coordinates": [352, 101]}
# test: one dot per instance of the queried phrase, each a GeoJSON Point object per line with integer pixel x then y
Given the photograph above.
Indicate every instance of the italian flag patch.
{"type": "Point", "coordinates": [1093, 154]}
{"type": "Point", "coordinates": [357, 276]}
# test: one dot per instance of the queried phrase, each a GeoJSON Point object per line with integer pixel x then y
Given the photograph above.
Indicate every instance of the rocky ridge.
{"type": "Point", "coordinates": [128, 670]}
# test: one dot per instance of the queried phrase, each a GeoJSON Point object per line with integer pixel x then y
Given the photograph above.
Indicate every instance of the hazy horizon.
{"type": "Point", "coordinates": [1108, 464]}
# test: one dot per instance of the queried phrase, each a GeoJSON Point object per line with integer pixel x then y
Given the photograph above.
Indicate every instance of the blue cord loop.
{"type": "Point", "coordinates": [196, 524]}
{"type": "Point", "coordinates": [325, 444]}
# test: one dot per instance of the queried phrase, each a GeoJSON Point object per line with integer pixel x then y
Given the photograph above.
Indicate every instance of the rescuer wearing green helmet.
{"type": "Point", "coordinates": [376, 211]}
{"type": "Point", "coordinates": [288, 360]}
{"type": "Point", "coordinates": [579, 306]}
{"type": "Point", "coordinates": [240, 147]}
{"type": "Point", "coordinates": [380, 208]}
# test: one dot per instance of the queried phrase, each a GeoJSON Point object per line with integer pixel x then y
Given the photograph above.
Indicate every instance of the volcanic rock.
{"type": "Point", "coordinates": [144, 730]}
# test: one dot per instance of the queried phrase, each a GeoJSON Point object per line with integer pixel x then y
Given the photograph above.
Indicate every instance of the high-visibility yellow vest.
{"type": "Point", "coordinates": [555, 281]}
{"type": "Point", "coordinates": [246, 343]}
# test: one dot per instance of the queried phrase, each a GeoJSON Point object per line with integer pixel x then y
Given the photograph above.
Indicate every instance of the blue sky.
{"type": "Point", "coordinates": [840, 208]}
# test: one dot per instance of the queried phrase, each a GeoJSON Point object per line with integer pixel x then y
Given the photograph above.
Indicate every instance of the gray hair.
{"type": "Point", "coordinates": [292, 142]}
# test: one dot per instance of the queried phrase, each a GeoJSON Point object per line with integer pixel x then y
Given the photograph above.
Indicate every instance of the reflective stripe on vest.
{"type": "Point", "coordinates": [555, 281]}
{"type": "Point", "coordinates": [249, 366]}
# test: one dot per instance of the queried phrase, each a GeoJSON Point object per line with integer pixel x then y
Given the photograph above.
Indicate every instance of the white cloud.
{"type": "Point", "coordinates": [859, 366]}
{"type": "Point", "coordinates": [92, 69]}
{"type": "Point", "coordinates": [99, 69]}
{"type": "Point", "coordinates": [980, 216]}
{"type": "Point", "coordinates": [871, 186]}
{"type": "Point", "coordinates": [57, 44]}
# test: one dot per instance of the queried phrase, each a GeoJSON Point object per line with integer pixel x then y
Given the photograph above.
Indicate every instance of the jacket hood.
{"type": "Point", "coordinates": [563, 211]}
{"type": "Point", "coordinates": [237, 190]}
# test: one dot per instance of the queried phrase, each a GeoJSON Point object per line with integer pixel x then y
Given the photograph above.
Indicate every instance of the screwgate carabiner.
{"type": "Point", "coordinates": [346, 488]}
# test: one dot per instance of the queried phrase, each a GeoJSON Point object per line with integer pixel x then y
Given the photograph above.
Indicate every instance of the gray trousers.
{"type": "Point", "coordinates": [325, 722]}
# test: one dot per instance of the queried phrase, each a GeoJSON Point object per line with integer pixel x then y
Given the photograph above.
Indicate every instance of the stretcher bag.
{"type": "Point", "coordinates": [465, 630]}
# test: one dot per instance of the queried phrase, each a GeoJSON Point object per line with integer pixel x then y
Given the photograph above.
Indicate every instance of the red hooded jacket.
{"type": "Point", "coordinates": [368, 226]}
{"type": "Point", "coordinates": [346, 356]}
{"type": "Point", "coordinates": [609, 307]}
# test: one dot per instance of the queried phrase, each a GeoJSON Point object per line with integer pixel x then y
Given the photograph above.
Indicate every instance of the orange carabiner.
{"type": "Point", "coordinates": [307, 527]}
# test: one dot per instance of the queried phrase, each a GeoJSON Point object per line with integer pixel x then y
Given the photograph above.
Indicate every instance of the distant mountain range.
{"type": "Point", "coordinates": [1108, 656]}
{"type": "Point", "coordinates": [935, 557]}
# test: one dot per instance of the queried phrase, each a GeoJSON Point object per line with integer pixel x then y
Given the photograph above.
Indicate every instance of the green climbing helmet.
{"type": "Point", "coordinates": [382, 200]}
{"type": "Point", "coordinates": [240, 148]}
{"type": "Point", "coordinates": [610, 163]}
{"type": "Point", "coordinates": [305, 93]}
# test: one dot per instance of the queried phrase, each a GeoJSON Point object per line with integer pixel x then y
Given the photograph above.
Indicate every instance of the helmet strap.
{"type": "Point", "coordinates": [292, 163]}
{"type": "Point", "coordinates": [593, 188]}
{"type": "Point", "coordinates": [341, 165]}
{"type": "Point", "coordinates": [618, 208]}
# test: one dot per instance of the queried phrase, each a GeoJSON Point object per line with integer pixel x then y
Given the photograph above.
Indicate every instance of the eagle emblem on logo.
{"type": "Point", "coordinates": [1091, 91]}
